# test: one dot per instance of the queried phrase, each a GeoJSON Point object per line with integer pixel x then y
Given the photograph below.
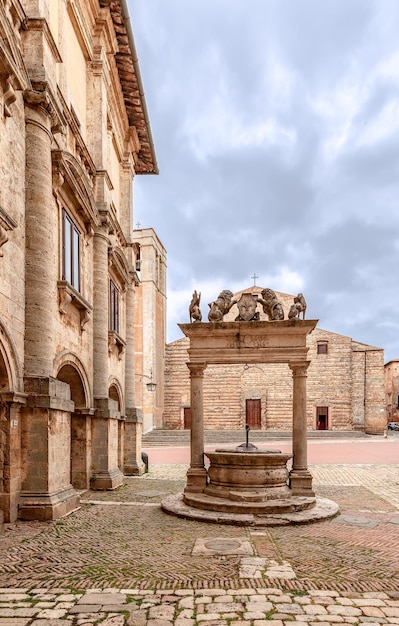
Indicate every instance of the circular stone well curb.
{"type": "Point", "coordinates": [324, 509]}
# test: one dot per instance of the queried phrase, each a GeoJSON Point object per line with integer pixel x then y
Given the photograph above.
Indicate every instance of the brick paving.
{"type": "Point", "coordinates": [120, 561]}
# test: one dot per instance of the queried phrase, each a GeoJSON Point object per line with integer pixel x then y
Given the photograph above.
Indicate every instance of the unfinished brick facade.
{"type": "Point", "coordinates": [345, 387]}
{"type": "Point", "coordinates": [74, 132]}
{"type": "Point", "coordinates": [392, 390]}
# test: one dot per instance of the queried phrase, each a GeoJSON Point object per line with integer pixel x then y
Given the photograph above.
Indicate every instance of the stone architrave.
{"type": "Point", "coordinates": [248, 343]}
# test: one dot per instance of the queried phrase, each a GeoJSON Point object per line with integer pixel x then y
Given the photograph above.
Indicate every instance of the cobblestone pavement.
{"type": "Point", "coordinates": [121, 561]}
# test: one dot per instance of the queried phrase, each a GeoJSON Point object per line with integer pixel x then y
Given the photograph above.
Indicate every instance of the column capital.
{"type": "Point", "coordinates": [196, 369]}
{"type": "Point", "coordinates": [41, 98]}
{"type": "Point", "coordinates": [300, 368]}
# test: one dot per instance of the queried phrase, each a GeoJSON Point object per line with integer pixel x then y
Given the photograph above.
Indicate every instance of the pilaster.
{"type": "Point", "coordinates": [133, 464]}
{"type": "Point", "coordinates": [100, 313]}
{"type": "Point", "coordinates": [106, 473]}
{"type": "Point", "coordinates": [47, 493]}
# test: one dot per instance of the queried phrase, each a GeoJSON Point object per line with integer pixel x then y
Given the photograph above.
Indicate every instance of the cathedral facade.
{"type": "Point", "coordinates": [345, 385]}
{"type": "Point", "coordinates": [74, 131]}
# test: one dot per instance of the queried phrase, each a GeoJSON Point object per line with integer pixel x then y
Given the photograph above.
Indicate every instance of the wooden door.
{"type": "Point", "coordinates": [253, 414]}
{"type": "Point", "coordinates": [322, 418]}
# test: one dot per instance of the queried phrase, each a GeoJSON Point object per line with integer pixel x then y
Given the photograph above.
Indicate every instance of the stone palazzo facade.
{"type": "Point", "coordinates": [74, 131]}
{"type": "Point", "coordinates": [345, 386]}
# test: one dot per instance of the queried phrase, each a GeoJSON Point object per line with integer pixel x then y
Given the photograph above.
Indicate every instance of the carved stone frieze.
{"type": "Point", "coordinates": [116, 343]}
{"type": "Point", "coordinates": [68, 295]}
{"type": "Point", "coordinates": [6, 224]}
{"type": "Point", "coordinates": [11, 60]}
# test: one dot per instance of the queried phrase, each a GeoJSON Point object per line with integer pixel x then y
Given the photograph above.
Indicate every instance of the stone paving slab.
{"type": "Point", "coordinates": [135, 566]}
{"type": "Point", "coordinates": [268, 606]}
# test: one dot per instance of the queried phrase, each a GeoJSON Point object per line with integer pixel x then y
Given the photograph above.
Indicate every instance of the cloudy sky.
{"type": "Point", "coordinates": [276, 128]}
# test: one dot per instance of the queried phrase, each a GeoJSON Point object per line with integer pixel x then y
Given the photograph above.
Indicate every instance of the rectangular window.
{"type": "Point", "coordinates": [322, 348]}
{"type": "Point", "coordinates": [70, 251]}
{"type": "Point", "coordinates": [113, 307]}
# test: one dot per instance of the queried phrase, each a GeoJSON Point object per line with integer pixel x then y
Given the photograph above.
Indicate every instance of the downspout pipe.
{"type": "Point", "coordinates": [135, 59]}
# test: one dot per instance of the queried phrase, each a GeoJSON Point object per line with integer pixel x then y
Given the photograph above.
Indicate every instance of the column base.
{"type": "Point", "coordinates": [106, 480]}
{"type": "Point", "coordinates": [48, 506]}
{"type": "Point", "coordinates": [196, 480]}
{"type": "Point", "coordinates": [300, 482]}
{"type": "Point", "coordinates": [134, 469]}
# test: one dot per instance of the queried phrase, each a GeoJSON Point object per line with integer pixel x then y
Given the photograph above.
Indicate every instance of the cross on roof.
{"type": "Point", "coordinates": [138, 225]}
{"type": "Point", "coordinates": [254, 277]}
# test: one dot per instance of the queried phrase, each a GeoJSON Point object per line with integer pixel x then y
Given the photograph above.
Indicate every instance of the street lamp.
{"type": "Point", "coordinates": [151, 385]}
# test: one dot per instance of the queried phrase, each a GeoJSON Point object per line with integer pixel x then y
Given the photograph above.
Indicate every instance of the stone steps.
{"type": "Point", "coordinates": [163, 437]}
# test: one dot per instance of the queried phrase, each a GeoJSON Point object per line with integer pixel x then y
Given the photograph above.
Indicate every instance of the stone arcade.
{"type": "Point", "coordinates": [74, 132]}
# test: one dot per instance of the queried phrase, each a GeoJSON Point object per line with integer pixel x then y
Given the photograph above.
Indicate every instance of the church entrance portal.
{"type": "Point", "coordinates": [322, 418]}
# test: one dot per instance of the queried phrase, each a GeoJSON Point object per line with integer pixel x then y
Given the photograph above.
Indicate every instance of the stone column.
{"type": "Point", "coordinates": [100, 313]}
{"type": "Point", "coordinates": [132, 461]}
{"type": "Point", "coordinates": [105, 471]}
{"type": "Point", "coordinates": [300, 477]}
{"type": "Point", "coordinates": [41, 264]}
{"type": "Point", "coordinates": [196, 474]}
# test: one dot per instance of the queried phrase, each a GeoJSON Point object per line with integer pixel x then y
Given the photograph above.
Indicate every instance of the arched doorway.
{"type": "Point", "coordinates": [80, 440]}
{"type": "Point", "coordinates": [12, 399]}
{"type": "Point", "coordinates": [4, 448]}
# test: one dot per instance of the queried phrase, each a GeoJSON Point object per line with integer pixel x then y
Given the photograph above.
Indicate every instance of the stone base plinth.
{"type": "Point", "coordinates": [262, 507]}
{"type": "Point", "coordinates": [134, 469]}
{"type": "Point", "coordinates": [300, 482]}
{"type": "Point", "coordinates": [48, 506]}
{"type": "Point", "coordinates": [196, 480]}
{"type": "Point", "coordinates": [106, 480]}
{"type": "Point", "coordinates": [322, 509]}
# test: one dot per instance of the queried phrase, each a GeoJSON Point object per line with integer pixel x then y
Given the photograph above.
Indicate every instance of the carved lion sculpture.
{"type": "Point", "coordinates": [194, 309]}
{"type": "Point", "coordinates": [271, 306]}
{"type": "Point", "coordinates": [298, 307]}
{"type": "Point", "coordinates": [220, 306]}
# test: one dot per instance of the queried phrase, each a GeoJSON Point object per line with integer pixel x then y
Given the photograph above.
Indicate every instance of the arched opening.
{"type": "Point", "coordinates": [4, 447]}
{"type": "Point", "coordinates": [114, 394]}
{"type": "Point", "coordinates": [80, 452]}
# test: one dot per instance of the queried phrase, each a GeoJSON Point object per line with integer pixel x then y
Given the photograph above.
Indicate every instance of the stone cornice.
{"type": "Point", "coordinates": [68, 170]}
{"type": "Point", "coordinates": [80, 28]}
{"type": "Point", "coordinates": [40, 24]}
{"type": "Point", "coordinates": [11, 59]}
{"type": "Point", "coordinates": [131, 84]}
{"type": "Point", "coordinates": [119, 265]}
{"type": "Point", "coordinates": [41, 96]}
